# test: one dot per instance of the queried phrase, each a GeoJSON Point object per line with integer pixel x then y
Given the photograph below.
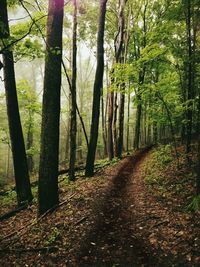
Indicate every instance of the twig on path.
{"type": "Point", "coordinates": [153, 217]}
{"type": "Point", "coordinates": [81, 220]}
{"type": "Point", "coordinates": [160, 223]}
{"type": "Point", "coordinates": [27, 250]}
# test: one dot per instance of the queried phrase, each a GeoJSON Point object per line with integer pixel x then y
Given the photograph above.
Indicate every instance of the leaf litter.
{"type": "Point", "coordinates": [113, 219]}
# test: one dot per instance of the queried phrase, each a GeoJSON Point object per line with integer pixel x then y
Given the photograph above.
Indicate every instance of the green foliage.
{"type": "Point", "coordinates": [161, 158]}
{"type": "Point", "coordinates": [53, 236]}
{"type": "Point", "coordinates": [87, 29]}
{"type": "Point", "coordinates": [163, 155]}
{"type": "Point", "coordinates": [152, 52]}
{"type": "Point", "coordinates": [195, 204]}
{"type": "Point", "coordinates": [29, 48]}
{"type": "Point", "coordinates": [9, 198]}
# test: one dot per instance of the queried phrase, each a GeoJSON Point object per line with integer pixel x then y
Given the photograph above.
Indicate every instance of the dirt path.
{"type": "Point", "coordinates": [112, 240]}
{"type": "Point", "coordinates": [131, 228]}
{"type": "Point", "coordinates": [113, 220]}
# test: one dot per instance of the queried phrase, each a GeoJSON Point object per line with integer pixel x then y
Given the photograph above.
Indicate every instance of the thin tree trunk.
{"type": "Point", "coordinates": [138, 123]}
{"type": "Point", "coordinates": [73, 128]}
{"type": "Point", "coordinates": [114, 124]}
{"type": "Point", "coordinates": [48, 169]}
{"type": "Point", "coordinates": [23, 187]}
{"type": "Point", "coordinates": [198, 152]}
{"type": "Point", "coordinates": [190, 84]}
{"type": "Point", "coordinates": [67, 140]}
{"type": "Point", "coordinates": [121, 124]}
{"type": "Point", "coordinates": [98, 84]}
{"type": "Point", "coordinates": [128, 120]}
{"type": "Point", "coordinates": [103, 127]}
{"type": "Point", "coordinates": [141, 81]}
{"type": "Point", "coordinates": [145, 123]}
{"type": "Point", "coordinates": [29, 145]}
{"type": "Point", "coordinates": [110, 121]}
{"type": "Point", "coordinates": [155, 133]}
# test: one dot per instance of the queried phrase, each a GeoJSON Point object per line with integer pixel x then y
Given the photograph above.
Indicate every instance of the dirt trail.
{"type": "Point", "coordinates": [112, 240]}
{"type": "Point", "coordinates": [113, 220]}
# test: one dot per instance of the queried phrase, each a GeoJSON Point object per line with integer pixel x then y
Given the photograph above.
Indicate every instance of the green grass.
{"type": "Point", "coordinates": [195, 204]}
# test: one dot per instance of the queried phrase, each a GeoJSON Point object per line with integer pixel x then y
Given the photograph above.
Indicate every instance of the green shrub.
{"type": "Point", "coordinates": [163, 155]}
{"type": "Point", "coordinates": [55, 233]}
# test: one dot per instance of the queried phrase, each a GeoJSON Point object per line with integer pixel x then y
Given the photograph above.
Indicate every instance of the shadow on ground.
{"type": "Point", "coordinates": [112, 241]}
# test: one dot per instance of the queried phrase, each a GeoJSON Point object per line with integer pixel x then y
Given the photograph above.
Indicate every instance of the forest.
{"type": "Point", "coordinates": [100, 133]}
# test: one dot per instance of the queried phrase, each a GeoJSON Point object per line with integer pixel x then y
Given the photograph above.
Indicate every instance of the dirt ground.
{"type": "Point", "coordinates": [112, 219]}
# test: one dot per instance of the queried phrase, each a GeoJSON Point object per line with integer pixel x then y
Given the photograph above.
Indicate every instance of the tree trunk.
{"type": "Point", "coordinates": [138, 123]}
{"type": "Point", "coordinates": [114, 125]}
{"type": "Point", "coordinates": [73, 128]}
{"type": "Point", "coordinates": [110, 121]}
{"type": "Point", "coordinates": [23, 187]}
{"type": "Point", "coordinates": [67, 139]}
{"type": "Point", "coordinates": [128, 120]}
{"type": "Point", "coordinates": [48, 169]}
{"type": "Point", "coordinates": [141, 81]}
{"type": "Point", "coordinates": [139, 111]}
{"type": "Point", "coordinates": [121, 124]}
{"type": "Point", "coordinates": [198, 152]}
{"type": "Point", "coordinates": [98, 84]}
{"type": "Point", "coordinates": [190, 83]}
{"type": "Point", "coordinates": [155, 133]}
{"type": "Point", "coordinates": [29, 145]}
{"type": "Point", "coordinates": [103, 126]}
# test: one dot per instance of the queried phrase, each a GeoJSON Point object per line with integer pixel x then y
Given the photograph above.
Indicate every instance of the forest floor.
{"type": "Point", "coordinates": [124, 216]}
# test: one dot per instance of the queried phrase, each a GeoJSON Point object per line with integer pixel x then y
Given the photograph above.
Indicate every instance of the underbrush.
{"type": "Point", "coordinates": [8, 199]}
{"type": "Point", "coordinates": [168, 182]}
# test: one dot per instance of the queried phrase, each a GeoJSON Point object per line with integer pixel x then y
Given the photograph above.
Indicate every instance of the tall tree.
{"type": "Point", "coordinates": [98, 84]}
{"type": "Point", "coordinates": [110, 122]}
{"type": "Point", "coordinates": [73, 123]}
{"type": "Point", "coordinates": [48, 168]}
{"type": "Point", "coordinates": [190, 85]}
{"type": "Point", "coordinates": [22, 180]}
{"type": "Point", "coordinates": [115, 143]}
{"type": "Point", "coordinates": [124, 51]}
{"type": "Point", "coordinates": [140, 82]}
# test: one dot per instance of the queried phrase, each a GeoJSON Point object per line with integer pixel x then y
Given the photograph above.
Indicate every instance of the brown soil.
{"type": "Point", "coordinates": [111, 220]}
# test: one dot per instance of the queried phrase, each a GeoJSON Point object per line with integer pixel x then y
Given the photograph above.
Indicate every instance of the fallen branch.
{"type": "Point", "coordinates": [60, 172]}
{"type": "Point", "coordinates": [81, 220]}
{"type": "Point", "coordinates": [160, 223]}
{"type": "Point", "coordinates": [35, 221]}
{"type": "Point", "coordinates": [13, 212]}
{"type": "Point", "coordinates": [28, 250]}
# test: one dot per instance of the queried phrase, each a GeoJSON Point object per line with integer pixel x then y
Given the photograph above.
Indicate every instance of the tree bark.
{"type": "Point", "coordinates": [98, 84]}
{"type": "Point", "coordinates": [48, 169]}
{"type": "Point", "coordinates": [110, 121]}
{"type": "Point", "coordinates": [141, 81]}
{"type": "Point", "coordinates": [121, 124]}
{"type": "Point", "coordinates": [139, 111]}
{"type": "Point", "coordinates": [114, 124]}
{"type": "Point", "coordinates": [29, 143]}
{"type": "Point", "coordinates": [138, 122]}
{"type": "Point", "coordinates": [190, 93]}
{"type": "Point", "coordinates": [73, 128]}
{"type": "Point", "coordinates": [103, 126]}
{"type": "Point", "coordinates": [22, 181]}
{"type": "Point", "coordinates": [128, 120]}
